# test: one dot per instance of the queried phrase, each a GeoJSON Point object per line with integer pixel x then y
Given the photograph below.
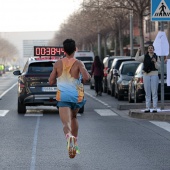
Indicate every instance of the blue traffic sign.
{"type": "Point", "coordinates": [160, 10]}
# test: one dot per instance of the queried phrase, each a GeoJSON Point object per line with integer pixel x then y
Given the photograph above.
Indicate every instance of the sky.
{"type": "Point", "coordinates": [35, 15]}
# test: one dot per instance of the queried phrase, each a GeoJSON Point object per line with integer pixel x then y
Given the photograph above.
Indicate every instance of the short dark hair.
{"type": "Point", "coordinates": [151, 45]}
{"type": "Point", "coordinates": [69, 46]}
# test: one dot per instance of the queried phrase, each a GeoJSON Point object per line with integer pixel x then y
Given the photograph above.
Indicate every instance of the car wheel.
{"type": "Point", "coordinates": [104, 87]}
{"type": "Point", "coordinates": [21, 108]}
{"type": "Point", "coordinates": [112, 90]}
{"type": "Point", "coordinates": [91, 86]}
{"type": "Point", "coordinates": [81, 110]}
{"type": "Point", "coordinates": [119, 97]}
{"type": "Point", "coordinates": [108, 91]}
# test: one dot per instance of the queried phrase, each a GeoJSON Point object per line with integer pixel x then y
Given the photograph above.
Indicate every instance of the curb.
{"type": "Point", "coordinates": [160, 115]}
{"type": "Point", "coordinates": [127, 106]}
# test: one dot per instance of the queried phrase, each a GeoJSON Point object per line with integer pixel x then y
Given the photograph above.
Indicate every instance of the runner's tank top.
{"type": "Point", "coordinates": [69, 89]}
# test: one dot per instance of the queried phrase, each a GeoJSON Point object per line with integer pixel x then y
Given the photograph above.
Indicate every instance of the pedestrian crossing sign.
{"type": "Point", "coordinates": [160, 10]}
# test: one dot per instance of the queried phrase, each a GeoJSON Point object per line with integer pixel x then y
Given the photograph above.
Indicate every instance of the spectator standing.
{"type": "Point", "coordinates": [150, 76]}
{"type": "Point", "coordinates": [98, 73]}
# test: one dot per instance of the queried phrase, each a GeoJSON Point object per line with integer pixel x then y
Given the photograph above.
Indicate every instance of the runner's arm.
{"type": "Point", "coordinates": [53, 76]}
{"type": "Point", "coordinates": [86, 76]}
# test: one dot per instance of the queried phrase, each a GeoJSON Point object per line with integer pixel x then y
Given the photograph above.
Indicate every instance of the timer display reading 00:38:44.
{"type": "Point", "coordinates": [48, 51]}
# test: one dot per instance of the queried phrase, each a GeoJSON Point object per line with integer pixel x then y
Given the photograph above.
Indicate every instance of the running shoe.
{"type": "Point", "coordinates": [71, 146]}
{"type": "Point", "coordinates": [77, 149]}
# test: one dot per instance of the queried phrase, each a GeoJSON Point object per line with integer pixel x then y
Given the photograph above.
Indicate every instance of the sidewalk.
{"type": "Point", "coordinates": [136, 110]}
{"type": "Point", "coordinates": [161, 115]}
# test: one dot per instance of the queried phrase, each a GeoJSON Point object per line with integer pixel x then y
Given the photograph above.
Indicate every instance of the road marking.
{"type": "Point", "coordinates": [33, 114]}
{"type": "Point", "coordinates": [95, 98]}
{"type": "Point", "coordinates": [8, 90]}
{"type": "Point", "coordinates": [34, 147]}
{"type": "Point", "coordinates": [105, 112]}
{"type": "Point", "coordinates": [163, 125]}
{"type": "Point", "coordinates": [3, 112]}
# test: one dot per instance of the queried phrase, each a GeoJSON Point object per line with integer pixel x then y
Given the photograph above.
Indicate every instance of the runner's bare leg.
{"type": "Point", "coordinates": [66, 116]}
{"type": "Point", "coordinates": [74, 123]}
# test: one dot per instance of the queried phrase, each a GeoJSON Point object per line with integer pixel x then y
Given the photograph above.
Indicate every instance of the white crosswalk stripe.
{"type": "Point", "coordinates": [3, 112]}
{"type": "Point", "coordinates": [29, 114]}
{"type": "Point", "coordinates": [33, 114]}
{"type": "Point", "coordinates": [163, 125]}
{"type": "Point", "coordinates": [105, 112]}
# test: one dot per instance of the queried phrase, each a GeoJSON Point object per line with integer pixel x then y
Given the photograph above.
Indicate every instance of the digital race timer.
{"type": "Point", "coordinates": [48, 51]}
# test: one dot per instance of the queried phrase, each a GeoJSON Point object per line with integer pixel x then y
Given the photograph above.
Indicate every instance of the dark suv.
{"type": "Point", "coordinates": [33, 85]}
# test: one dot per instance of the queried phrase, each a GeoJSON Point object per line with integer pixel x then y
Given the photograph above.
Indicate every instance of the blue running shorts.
{"type": "Point", "coordinates": [72, 105]}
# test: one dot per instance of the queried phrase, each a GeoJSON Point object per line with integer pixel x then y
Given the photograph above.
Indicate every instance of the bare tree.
{"type": "Point", "coordinates": [139, 7]}
{"type": "Point", "coordinates": [7, 50]}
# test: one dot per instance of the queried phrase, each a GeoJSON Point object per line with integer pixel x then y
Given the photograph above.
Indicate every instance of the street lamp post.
{"type": "Point", "coordinates": [98, 40]}
{"type": "Point", "coordinates": [131, 33]}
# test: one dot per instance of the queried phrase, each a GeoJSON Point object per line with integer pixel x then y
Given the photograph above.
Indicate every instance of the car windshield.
{"type": "Point", "coordinates": [118, 63]}
{"type": "Point", "coordinates": [110, 63]}
{"type": "Point", "coordinates": [129, 68]}
{"type": "Point", "coordinates": [85, 58]}
{"type": "Point", "coordinates": [88, 66]}
{"type": "Point", "coordinates": [41, 67]}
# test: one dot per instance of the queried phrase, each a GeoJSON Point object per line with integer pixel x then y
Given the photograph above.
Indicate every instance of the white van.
{"type": "Point", "coordinates": [84, 55]}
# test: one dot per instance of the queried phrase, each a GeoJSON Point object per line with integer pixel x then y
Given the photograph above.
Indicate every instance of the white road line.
{"type": "Point", "coordinates": [105, 112]}
{"type": "Point", "coordinates": [34, 147]}
{"type": "Point", "coordinates": [163, 125]}
{"type": "Point", "coordinates": [29, 114]}
{"type": "Point", "coordinates": [95, 98]}
{"type": "Point", "coordinates": [3, 112]}
{"type": "Point", "coordinates": [8, 90]}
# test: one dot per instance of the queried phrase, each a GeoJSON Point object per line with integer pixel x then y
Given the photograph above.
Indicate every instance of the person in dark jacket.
{"type": "Point", "coordinates": [97, 72]}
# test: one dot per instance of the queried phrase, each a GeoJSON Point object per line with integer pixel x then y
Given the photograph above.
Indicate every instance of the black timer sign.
{"type": "Point", "coordinates": [48, 51]}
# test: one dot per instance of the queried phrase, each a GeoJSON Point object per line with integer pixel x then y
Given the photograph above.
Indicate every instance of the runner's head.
{"type": "Point", "coordinates": [69, 46]}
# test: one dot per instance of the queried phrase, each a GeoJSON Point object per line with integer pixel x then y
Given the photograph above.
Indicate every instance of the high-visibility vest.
{"type": "Point", "coordinates": [1, 67]}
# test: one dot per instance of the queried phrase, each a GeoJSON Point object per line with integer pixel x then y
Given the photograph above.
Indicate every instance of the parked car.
{"type": "Point", "coordinates": [88, 65]}
{"type": "Point", "coordinates": [126, 72]}
{"type": "Point", "coordinates": [84, 55]}
{"type": "Point", "coordinates": [33, 85]}
{"type": "Point", "coordinates": [113, 73]}
{"type": "Point", "coordinates": [136, 87]}
{"type": "Point", "coordinates": [107, 61]}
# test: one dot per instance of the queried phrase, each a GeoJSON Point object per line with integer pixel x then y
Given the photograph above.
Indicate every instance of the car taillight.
{"type": "Point", "coordinates": [21, 85]}
{"type": "Point", "coordinates": [105, 71]}
{"type": "Point", "coordinates": [141, 80]}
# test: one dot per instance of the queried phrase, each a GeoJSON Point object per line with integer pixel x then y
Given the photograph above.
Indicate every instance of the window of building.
{"type": "Point", "coordinates": [165, 25]}
{"type": "Point", "coordinates": [150, 26]}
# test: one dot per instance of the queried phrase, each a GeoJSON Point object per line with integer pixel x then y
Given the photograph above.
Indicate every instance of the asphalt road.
{"type": "Point", "coordinates": [108, 138]}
